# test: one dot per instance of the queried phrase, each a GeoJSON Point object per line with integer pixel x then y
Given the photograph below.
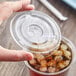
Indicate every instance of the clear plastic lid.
{"type": "Point", "coordinates": [35, 31]}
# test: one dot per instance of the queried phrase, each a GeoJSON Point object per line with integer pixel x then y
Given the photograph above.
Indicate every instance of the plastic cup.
{"type": "Point", "coordinates": [39, 33]}
{"type": "Point", "coordinates": [63, 72]}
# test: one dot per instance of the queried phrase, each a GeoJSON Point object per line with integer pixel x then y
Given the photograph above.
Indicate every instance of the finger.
{"type": "Point", "coordinates": [13, 55]}
{"type": "Point", "coordinates": [19, 5]}
{"type": "Point", "coordinates": [26, 2]}
{"type": "Point", "coordinates": [7, 8]}
{"type": "Point", "coordinates": [28, 7]}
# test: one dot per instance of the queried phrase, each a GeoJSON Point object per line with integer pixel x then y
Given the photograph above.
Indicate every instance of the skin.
{"type": "Point", "coordinates": [6, 9]}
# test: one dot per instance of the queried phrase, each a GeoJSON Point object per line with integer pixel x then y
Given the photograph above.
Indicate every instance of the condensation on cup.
{"type": "Point", "coordinates": [37, 33]}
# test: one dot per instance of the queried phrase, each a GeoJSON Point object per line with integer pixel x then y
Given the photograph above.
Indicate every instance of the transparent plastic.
{"type": "Point", "coordinates": [63, 72]}
{"type": "Point", "coordinates": [35, 31]}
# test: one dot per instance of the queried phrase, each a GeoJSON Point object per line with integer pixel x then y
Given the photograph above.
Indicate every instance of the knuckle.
{"type": "Point", "coordinates": [18, 57]}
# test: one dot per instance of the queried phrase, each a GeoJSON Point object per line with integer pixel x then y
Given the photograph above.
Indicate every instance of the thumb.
{"type": "Point", "coordinates": [13, 55]}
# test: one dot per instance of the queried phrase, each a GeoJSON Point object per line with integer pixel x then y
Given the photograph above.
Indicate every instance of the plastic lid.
{"type": "Point", "coordinates": [35, 31]}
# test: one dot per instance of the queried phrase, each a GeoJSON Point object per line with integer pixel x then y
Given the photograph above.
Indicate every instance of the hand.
{"type": "Point", "coordinates": [6, 9]}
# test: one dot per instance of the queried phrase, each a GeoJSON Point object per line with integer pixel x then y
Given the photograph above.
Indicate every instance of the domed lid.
{"type": "Point", "coordinates": [35, 31]}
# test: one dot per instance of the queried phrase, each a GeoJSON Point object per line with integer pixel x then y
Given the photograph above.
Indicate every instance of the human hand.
{"type": "Point", "coordinates": [6, 9]}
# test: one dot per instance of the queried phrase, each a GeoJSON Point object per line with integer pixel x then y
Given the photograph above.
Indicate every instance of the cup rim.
{"type": "Point", "coordinates": [71, 45]}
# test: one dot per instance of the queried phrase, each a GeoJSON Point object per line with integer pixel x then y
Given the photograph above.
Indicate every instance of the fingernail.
{"type": "Point", "coordinates": [33, 7]}
{"type": "Point", "coordinates": [29, 56]}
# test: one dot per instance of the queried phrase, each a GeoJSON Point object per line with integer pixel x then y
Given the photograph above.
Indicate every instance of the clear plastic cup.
{"type": "Point", "coordinates": [63, 72]}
